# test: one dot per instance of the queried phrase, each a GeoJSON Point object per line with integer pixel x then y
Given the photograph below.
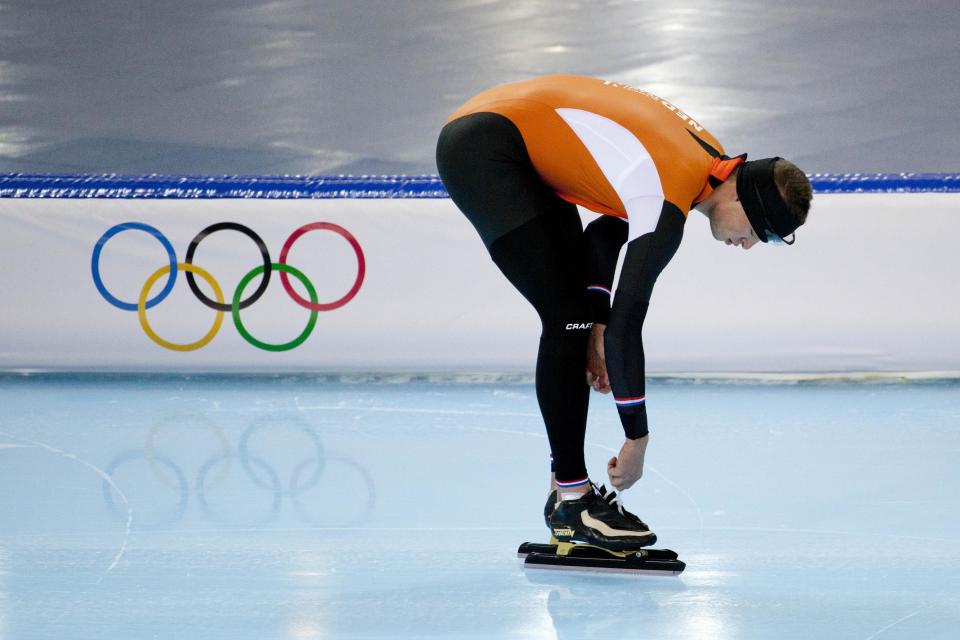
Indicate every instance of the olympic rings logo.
{"type": "Point", "coordinates": [238, 302]}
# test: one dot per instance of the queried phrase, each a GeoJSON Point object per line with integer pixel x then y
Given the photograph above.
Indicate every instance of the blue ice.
{"type": "Point", "coordinates": [329, 507]}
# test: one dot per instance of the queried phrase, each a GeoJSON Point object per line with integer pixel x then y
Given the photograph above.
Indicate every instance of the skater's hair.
{"type": "Point", "coordinates": [794, 187]}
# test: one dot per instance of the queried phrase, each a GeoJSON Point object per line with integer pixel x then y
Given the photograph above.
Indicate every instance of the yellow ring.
{"type": "Point", "coordinates": [142, 308]}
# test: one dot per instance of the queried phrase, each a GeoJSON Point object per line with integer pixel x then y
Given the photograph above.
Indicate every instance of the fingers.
{"type": "Point", "coordinates": [603, 383]}
{"type": "Point", "coordinates": [620, 482]}
{"type": "Point", "coordinates": [618, 479]}
{"type": "Point", "coordinates": [600, 383]}
{"type": "Point", "coordinates": [613, 472]}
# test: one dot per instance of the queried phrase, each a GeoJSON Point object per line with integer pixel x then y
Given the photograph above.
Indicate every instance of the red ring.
{"type": "Point", "coordinates": [361, 266]}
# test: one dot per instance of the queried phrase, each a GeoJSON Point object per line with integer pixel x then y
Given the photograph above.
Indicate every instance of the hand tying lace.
{"type": "Point", "coordinates": [612, 498]}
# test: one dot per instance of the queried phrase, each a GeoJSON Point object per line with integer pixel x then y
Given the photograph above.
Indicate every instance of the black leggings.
{"type": "Point", "coordinates": [537, 241]}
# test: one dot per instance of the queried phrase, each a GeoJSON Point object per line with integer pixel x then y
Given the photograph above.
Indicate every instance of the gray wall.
{"type": "Point", "coordinates": [292, 86]}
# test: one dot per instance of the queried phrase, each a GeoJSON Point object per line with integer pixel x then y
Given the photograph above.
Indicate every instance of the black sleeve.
{"type": "Point", "coordinates": [623, 343]}
{"type": "Point", "coordinates": [604, 236]}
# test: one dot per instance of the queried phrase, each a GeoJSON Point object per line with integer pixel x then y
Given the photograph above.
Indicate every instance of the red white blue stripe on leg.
{"type": "Point", "coordinates": [597, 287]}
{"type": "Point", "coordinates": [630, 402]}
{"type": "Point", "coordinates": [569, 484]}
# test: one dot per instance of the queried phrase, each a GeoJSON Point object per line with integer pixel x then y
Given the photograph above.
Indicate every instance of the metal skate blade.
{"type": "Point", "coordinates": [535, 547]}
{"type": "Point", "coordinates": [606, 570]}
{"type": "Point", "coordinates": [630, 565]}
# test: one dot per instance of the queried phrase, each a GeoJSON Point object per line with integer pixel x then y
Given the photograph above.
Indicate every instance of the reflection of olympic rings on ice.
{"type": "Point", "coordinates": [211, 513]}
{"type": "Point", "coordinates": [300, 426]}
{"type": "Point", "coordinates": [182, 487]}
{"type": "Point", "coordinates": [180, 420]}
{"type": "Point", "coordinates": [323, 489]}
{"type": "Point", "coordinates": [366, 509]}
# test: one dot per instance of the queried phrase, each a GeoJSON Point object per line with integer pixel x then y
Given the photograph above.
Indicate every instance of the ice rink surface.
{"type": "Point", "coordinates": [313, 507]}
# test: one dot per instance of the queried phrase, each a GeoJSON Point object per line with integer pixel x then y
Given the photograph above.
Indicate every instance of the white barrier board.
{"type": "Point", "coordinates": [871, 285]}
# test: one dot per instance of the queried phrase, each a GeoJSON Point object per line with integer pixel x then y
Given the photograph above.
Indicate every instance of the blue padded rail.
{"type": "Point", "coordinates": [24, 185]}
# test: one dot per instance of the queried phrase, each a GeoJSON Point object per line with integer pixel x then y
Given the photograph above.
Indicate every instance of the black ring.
{"type": "Point", "coordinates": [247, 231]}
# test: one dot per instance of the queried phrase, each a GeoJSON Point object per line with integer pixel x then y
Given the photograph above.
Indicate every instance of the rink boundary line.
{"type": "Point", "coordinates": [893, 624]}
{"type": "Point", "coordinates": [102, 474]}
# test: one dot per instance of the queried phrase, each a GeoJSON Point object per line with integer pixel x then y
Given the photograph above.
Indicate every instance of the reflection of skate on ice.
{"type": "Point", "coordinates": [595, 533]}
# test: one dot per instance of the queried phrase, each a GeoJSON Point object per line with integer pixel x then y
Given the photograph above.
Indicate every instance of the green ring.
{"type": "Point", "coordinates": [235, 308]}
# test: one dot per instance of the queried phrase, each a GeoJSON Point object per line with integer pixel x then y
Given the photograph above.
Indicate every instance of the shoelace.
{"type": "Point", "coordinates": [612, 498]}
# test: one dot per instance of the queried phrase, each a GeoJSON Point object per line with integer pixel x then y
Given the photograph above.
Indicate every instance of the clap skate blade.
{"type": "Point", "coordinates": [591, 558]}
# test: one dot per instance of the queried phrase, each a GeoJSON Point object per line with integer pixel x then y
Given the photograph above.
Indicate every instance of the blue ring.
{"type": "Point", "coordinates": [95, 265]}
{"type": "Point", "coordinates": [135, 454]}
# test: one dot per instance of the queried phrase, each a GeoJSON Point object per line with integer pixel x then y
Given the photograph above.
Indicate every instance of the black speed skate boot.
{"type": "Point", "coordinates": [549, 507]}
{"type": "Point", "coordinates": [598, 518]}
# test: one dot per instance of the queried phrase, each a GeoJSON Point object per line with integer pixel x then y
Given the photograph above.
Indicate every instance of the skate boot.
{"type": "Point", "coordinates": [549, 507]}
{"type": "Point", "coordinates": [598, 518]}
